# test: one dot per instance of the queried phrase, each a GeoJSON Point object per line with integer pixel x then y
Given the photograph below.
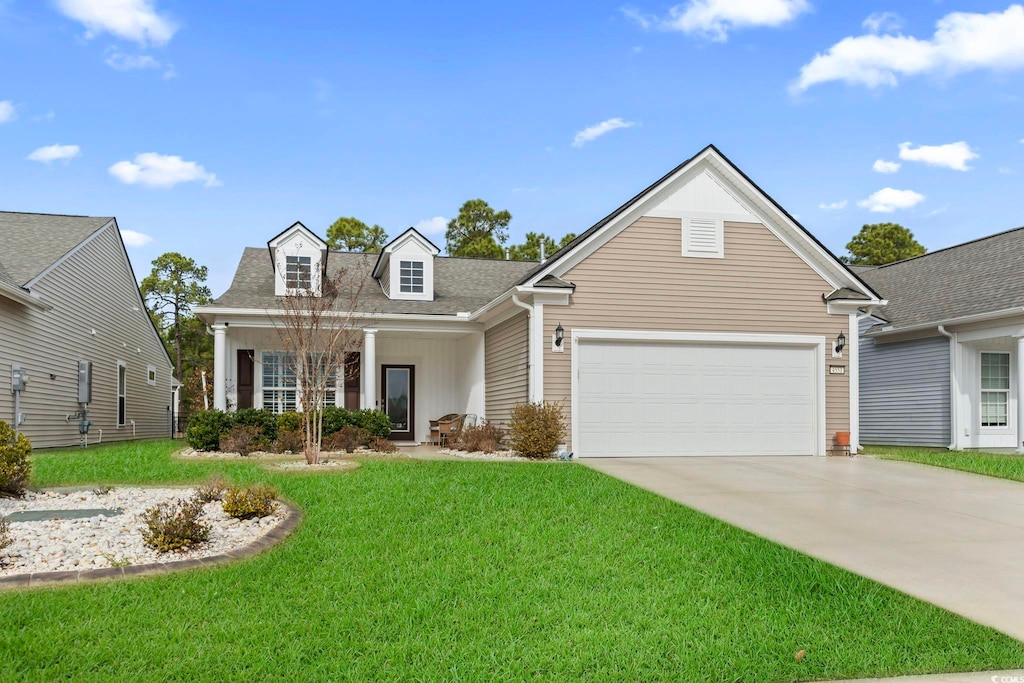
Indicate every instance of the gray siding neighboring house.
{"type": "Point", "coordinates": [67, 294]}
{"type": "Point", "coordinates": [904, 391]}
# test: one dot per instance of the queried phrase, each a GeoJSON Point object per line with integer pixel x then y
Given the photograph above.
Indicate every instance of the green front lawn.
{"type": "Point", "coordinates": [476, 571]}
{"type": "Point", "coordinates": [1005, 466]}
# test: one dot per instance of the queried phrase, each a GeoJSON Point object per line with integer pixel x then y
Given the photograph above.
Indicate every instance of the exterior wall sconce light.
{"type": "Point", "coordinates": [840, 345]}
{"type": "Point", "coordinates": [559, 338]}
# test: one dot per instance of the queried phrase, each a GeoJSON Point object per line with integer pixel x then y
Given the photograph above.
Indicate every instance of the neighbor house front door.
{"type": "Point", "coordinates": [398, 387]}
{"type": "Point", "coordinates": [245, 378]}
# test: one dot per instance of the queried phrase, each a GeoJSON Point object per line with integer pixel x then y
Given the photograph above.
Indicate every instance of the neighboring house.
{"type": "Point", "coordinates": [941, 363]}
{"type": "Point", "coordinates": [68, 294]}
{"type": "Point", "coordinates": [699, 318]}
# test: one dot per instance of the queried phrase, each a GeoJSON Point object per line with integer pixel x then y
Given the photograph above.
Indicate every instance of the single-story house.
{"type": "Point", "coordinates": [941, 362]}
{"type": "Point", "coordinates": [75, 334]}
{"type": "Point", "coordinates": [698, 318]}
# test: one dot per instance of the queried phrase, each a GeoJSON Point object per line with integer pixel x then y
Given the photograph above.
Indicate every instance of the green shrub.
{"type": "Point", "coordinates": [211, 490]}
{"type": "Point", "coordinates": [288, 441]}
{"type": "Point", "coordinates": [242, 440]}
{"type": "Point", "coordinates": [260, 418]}
{"type": "Point", "coordinates": [374, 421]}
{"type": "Point", "coordinates": [205, 428]}
{"type": "Point", "coordinates": [289, 422]}
{"type": "Point", "coordinates": [485, 437]}
{"type": "Point", "coordinates": [379, 445]}
{"type": "Point", "coordinates": [249, 502]}
{"type": "Point", "coordinates": [15, 461]}
{"type": "Point", "coordinates": [336, 419]}
{"type": "Point", "coordinates": [347, 439]}
{"type": "Point", "coordinates": [536, 429]}
{"type": "Point", "coordinates": [5, 534]}
{"type": "Point", "coordinates": [175, 526]}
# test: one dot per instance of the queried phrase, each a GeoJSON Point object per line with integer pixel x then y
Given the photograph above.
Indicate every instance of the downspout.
{"type": "Point", "coordinates": [953, 393]}
{"type": "Point", "coordinates": [855, 319]}
{"type": "Point", "coordinates": [530, 360]}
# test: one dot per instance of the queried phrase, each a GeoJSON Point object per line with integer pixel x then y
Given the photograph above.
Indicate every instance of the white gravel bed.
{"type": "Point", "coordinates": [303, 465]}
{"type": "Point", "coordinates": [98, 542]}
{"type": "Point", "coordinates": [263, 455]}
{"type": "Point", "coordinates": [480, 455]}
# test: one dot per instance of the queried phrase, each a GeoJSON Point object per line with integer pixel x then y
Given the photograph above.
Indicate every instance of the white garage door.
{"type": "Point", "coordinates": [672, 398]}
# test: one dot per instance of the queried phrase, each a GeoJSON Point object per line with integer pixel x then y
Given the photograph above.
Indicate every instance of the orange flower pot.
{"type": "Point", "coordinates": [842, 438]}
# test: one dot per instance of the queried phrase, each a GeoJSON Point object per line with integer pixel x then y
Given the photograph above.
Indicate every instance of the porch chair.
{"type": "Point", "coordinates": [441, 428]}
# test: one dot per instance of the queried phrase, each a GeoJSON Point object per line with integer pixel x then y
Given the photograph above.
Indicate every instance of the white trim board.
{"type": "Point", "coordinates": [817, 342]}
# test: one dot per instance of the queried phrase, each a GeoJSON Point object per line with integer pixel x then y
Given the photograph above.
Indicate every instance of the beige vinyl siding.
{"type": "Point", "coordinates": [91, 290]}
{"type": "Point", "coordinates": [506, 368]}
{"type": "Point", "coordinates": [640, 281]}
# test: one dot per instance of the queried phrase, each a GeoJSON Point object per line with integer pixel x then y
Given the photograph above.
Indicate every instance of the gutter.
{"type": "Point", "coordinates": [977, 317]}
{"type": "Point", "coordinates": [953, 393]}
{"type": "Point", "coordinates": [24, 296]}
{"type": "Point", "coordinates": [531, 361]}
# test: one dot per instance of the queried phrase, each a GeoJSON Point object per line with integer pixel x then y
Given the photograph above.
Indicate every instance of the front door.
{"type": "Point", "coordinates": [398, 387]}
{"type": "Point", "coordinates": [245, 376]}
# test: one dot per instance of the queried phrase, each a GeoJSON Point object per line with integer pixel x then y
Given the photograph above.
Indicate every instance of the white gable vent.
{"type": "Point", "coordinates": [702, 238]}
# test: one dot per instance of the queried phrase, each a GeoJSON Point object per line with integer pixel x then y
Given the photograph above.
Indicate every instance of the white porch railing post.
{"type": "Point", "coordinates": [1020, 394]}
{"type": "Point", "coordinates": [220, 366]}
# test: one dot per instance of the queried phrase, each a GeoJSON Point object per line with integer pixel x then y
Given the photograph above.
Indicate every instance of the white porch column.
{"type": "Point", "coordinates": [369, 369]}
{"type": "Point", "coordinates": [220, 366]}
{"type": "Point", "coordinates": [1020, 394]}
{"type": "Point", "coordinates": [854, 364]}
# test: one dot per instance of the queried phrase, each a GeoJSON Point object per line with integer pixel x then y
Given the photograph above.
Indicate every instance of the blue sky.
{"type": "Point", "coordinates": [208, 126]}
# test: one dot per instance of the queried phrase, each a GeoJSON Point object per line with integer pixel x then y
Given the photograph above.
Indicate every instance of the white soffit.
{"type": "Point", "coordinates": [701, 194]}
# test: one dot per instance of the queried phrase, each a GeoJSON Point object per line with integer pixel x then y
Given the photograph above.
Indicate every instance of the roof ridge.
{"type": "Point", "coordinates": [951, 247]}
{"type": "Point", "coordinates": [62, 215]}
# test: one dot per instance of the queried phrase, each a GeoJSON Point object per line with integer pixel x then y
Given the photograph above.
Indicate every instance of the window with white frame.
{"type": "Point", "coordinates": [995, 389]}
{"type": "Point", "coordinates": [325, 370]}
{"type": "Point", "coordinates": [122, 393]}
{"type": "Point", "coordinates": [298, 272]}
{"type": "Point", "coordinates": [151, 375]}
{"type": "Point", "coordinates": [410, 276]}
{"type": "Point", "coordinates": [278, 381]}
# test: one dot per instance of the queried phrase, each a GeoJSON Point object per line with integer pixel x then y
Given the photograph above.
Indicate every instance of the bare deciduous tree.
{"type": "Point", "coordinates": [316, 330]}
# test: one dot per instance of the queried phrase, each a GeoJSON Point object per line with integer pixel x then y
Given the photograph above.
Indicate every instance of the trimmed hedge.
{"type": "Point", "coordinates": [206, 427]}
{"type": "Point", "coordinates": [15, 463]}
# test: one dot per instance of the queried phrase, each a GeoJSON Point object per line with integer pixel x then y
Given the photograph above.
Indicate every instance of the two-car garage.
{"type": "Point", "coordinates": [651, 394]}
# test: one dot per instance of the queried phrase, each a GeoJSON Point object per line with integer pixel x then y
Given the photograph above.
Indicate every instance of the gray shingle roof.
{"type": "Point", "coordinates": [460, 284]}
{"type": "Point", "coordinates": [969, 279]}
{"type": "Point", "coordinates": [32, 242]}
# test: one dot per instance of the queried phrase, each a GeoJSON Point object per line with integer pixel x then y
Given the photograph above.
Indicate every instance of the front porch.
{"type": "Point", "coordinates": [987, 386]}
{"type": "Point", "coordinates": [415, 375]}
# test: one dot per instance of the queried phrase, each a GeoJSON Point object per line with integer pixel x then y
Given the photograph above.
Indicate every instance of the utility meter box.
{"type": "Point", "coordinates": [85, 381]}
{"type": "Point", "coordinates": [19, 378]}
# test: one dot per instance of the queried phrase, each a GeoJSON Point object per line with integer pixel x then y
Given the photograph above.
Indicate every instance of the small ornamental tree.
{"type": "Point", "coordinates": [316, 329]}
{"type": "Point", "coordinates": [880, 243]}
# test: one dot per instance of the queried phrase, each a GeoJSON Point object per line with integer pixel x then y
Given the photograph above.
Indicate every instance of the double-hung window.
{"type": "Point", "coordinates": [995, 389]}
{"type": "Point", "coordinates": [298, 272]}
{"type": "Point", "coordinates": [410, 276]}
{"type": "Point", "coordinates": [122, 394]}
{"type": "Point", "coordinates": [278, 381]}
{"type": "Point", "coordinates": [325, 373]}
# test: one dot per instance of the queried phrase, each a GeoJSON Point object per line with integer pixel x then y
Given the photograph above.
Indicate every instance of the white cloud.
{"type": "Point", "coordinates": [936, 212]}
{"type": "Point", "coordinates": [883, 166]}
{"type": "Point", "coordinates": [48, 117]}
{"type": "Point", "coordinates": [160, 170]}
{"type": "Point", "coordinates": [954, 155]}
{"type": "Point", "coordinates": [55, 153]}
{"type": "Point", "coordinates": [963, 41]}
{"type": "Point", "coordinates": [888, 200]}
{"type": "Point", "coordinates": [432, 226]}
{"type": "Point", "coordinates": [7, 111]}
{"type": "Point", "coordinates": [883, 22]}
{"type": "Point", "coordinates": [135, 20]}
{"type": "Point", "coordinates": [593, 132]}
{"type": "Point", "coordinates": [834, 206]}
{"type": "Point", "coordinates": [122, 61]}
{"type": "Point", "coordinates": [134, 239]}
{"type": "Point", "coordinates": [714, 19]}
{"type": "Point", "coordinates": [1005, 170]}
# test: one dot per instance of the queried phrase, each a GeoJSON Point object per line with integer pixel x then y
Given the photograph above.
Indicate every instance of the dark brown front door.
{"type": "Point", "coordinates": [353, 380]}
{"type": "Point", "coordinates": [397, 391]}
{"type": "Point", "coordinates": [245, 374]}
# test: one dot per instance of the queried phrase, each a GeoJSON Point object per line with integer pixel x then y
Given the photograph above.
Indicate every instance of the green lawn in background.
{"type": "Point", "coordinates": [470, 571]}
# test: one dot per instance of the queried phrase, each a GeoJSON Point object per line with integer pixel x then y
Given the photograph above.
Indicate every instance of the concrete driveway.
{"type": "Point", "coordinates": [951, 538]}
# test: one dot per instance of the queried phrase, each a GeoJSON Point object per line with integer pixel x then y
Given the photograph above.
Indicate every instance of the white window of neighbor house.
{"type": "Point", "coordinates": [411, 277]}
{"type": "Point", "coordinates": [122, 393]}
{"type": "Point", "coordinates": [151, 375]}
{"type": "Point", "coordinates": [279, 381]}
{"type": "Point", "coordinates": [995, 389]}
{"type": "Point", "coordinates": [298, 272]}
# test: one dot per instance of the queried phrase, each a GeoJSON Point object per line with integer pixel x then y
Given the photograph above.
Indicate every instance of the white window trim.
{"type": "Point", "coordinates": [151, 373]}
{"type": "Point", "coordinates": [298, 265]}
{"type": "Point", "coordinates": [1009, 427]}
{"type": "Point", "coordinates": [414, 265]}
{"type": "Point", "coordinates": [719, 235]}
{"type": "Point", "coordinates": [117, 408]}
{"type": "Point", "coordinates": [816, 342]}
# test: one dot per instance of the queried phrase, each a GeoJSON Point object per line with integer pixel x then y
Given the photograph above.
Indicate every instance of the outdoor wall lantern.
{"type": "Point", "coordinates": [559, 335]}
{"type": "Point", "coordinates": [840, 343]}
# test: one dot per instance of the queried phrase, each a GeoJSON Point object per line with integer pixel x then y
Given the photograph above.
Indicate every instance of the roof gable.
{"type": "Point", "coordinates": [707, 182]}
{"type": "Point", "coordinates": [34, 242]}
{"type": "Point", "coordinates": [411, 237]}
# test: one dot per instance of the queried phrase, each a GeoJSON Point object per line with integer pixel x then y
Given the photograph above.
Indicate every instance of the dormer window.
{"type": "Point", "coordinates": [411, 277]}
{"type": "Point", "coordinates": [298, 272]}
